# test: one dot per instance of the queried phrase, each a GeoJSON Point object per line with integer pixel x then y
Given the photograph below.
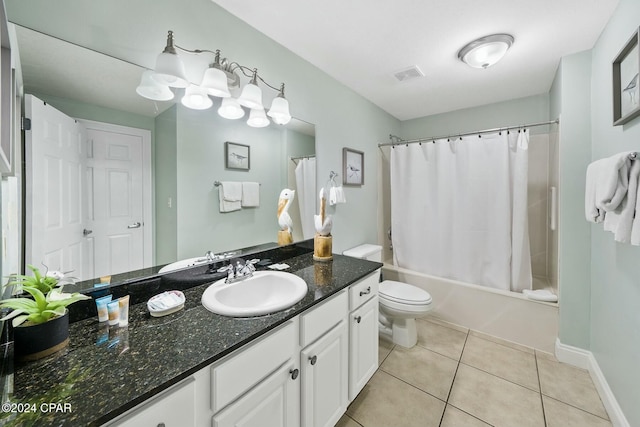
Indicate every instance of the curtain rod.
{"type": "Point", "coordinates": [399, 141]}
{"type": "Point", "coordinates": [293, 159]}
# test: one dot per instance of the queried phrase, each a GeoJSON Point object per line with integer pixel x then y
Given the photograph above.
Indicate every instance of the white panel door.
{"type": "Point", "coordinates": [54, 153]}
{"type": "Point", "coordinates": [115, 204]}
{"type": "Point", "coordinates": [275, 402]}
{"type": "Point", "coordinates": [363, 346]}
{"type": "Point", "coordinates": [324, 369]}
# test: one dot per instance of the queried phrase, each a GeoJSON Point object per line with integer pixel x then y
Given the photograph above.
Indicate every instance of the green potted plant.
{"type": "Point", "coordinates": [40, 323]}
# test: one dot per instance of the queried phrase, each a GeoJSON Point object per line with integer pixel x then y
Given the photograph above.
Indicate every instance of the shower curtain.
{"type": "Point", "coordinates": [306, 194]}
{"type": "Point", "coordinates": [459, 209]}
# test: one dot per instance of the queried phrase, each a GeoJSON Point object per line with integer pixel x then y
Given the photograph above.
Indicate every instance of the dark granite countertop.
{"type": "Point", "coordinates": [106, 371]}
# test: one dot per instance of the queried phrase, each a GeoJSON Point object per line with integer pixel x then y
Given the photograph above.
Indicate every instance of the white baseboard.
{"type": "Point", "coordinates": [584, 359]}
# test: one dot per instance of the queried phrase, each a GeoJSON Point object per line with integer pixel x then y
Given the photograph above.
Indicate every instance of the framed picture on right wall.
{"type": "Point", "coordinates": [626, 102]}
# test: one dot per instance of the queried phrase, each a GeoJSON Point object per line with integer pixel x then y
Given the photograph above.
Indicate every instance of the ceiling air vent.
{"type": "Point", "coordinates": [409, 73]}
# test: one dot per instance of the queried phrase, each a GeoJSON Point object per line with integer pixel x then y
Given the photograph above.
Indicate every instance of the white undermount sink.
{"type": "Point", "coordinates": [263, 293]}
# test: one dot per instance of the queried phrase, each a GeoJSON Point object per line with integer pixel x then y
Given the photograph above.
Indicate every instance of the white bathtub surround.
{"type": "Point", "coordinates": [584, 359]}
{"type": "Point", "coordinates": [468, 198]}
{"type": "Point", "coordinates": [507, 315]}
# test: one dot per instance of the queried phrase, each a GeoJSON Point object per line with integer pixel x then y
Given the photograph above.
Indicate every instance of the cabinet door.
{"type": "Point", "coordinates": [275, 402]}
{"type": "Point", "coordinates": [324, 366]}
{"type": "Point", "coordinates": [363, 346]}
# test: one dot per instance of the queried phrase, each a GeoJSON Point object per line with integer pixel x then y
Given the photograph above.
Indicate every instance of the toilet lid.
{"type": "Point", "coordinates": [403, 293]}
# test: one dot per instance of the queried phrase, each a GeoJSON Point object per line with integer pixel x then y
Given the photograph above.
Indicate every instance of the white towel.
{"type": "Point", "coordinates": [620, 221]}
{"type": "Point", "coordinates": [592, 212]}
{"type": "Point", "coordinates": [230, 195]}
{"type": "Point", "coordinates": [250, 194]}
{"type": "Point", "coordinates": [613, 181]}
{"type": "Point", "coordinates": [336, 195]}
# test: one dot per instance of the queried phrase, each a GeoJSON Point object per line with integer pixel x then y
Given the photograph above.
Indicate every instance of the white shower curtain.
{"type": "Point", "coordinates": [459, 209]}
{"type": "Point", "coordinates": [306, 194]}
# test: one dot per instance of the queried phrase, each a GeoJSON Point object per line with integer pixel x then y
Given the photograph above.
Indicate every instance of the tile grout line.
{"type": "Point", "coordinates": [502, 378]}
{"type": "Point", "coordinates": [446, 402]}
{"type": "Point", "coordinates": [544, 412]}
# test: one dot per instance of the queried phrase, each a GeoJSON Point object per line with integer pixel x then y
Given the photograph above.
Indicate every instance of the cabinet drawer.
{"type": "Point", "coordinates": [322, 318]}
{"type": "Point", "coordinates": [160, 410]}
{"type": "Point", "coordinates": [249, 366]}
{"type": "Point", "coordinates": [361, 291]}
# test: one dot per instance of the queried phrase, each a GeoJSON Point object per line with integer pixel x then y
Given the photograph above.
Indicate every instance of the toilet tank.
{"type": "Point", "coordinates": [366, 251]}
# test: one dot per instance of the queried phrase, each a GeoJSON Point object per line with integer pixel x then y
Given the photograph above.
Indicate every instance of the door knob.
{"type": "Point", "coordinates": [134, 225]}
{"type": "Point", "coordinates": [86, 232]}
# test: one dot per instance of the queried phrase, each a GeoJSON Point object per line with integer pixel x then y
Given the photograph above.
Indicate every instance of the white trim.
{"type": "Point", "coordinates": [584, 359]}
{"type": "Point", "coordinates": [147, 189]}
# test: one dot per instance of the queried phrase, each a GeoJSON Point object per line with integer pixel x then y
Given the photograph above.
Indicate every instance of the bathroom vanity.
{"type": "Point", "coordinates": [300, 366]}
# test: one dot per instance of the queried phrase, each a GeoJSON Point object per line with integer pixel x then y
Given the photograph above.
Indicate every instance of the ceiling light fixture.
{"type": "Point", "coordinates": [216, 81]}
{"type": "Point", "coordinates": [485, 51]}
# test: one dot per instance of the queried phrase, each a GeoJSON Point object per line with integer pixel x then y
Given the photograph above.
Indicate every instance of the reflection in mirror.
{"type": "Point", "coordinates": [179, 210]}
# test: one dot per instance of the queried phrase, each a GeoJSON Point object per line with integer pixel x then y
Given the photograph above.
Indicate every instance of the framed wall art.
{"type": "Point", "coordinates": [626, 105]}
{"type": "Point", "coordinates": [352, 167]}
{"type": "Point", "coordinates": [237, 156]}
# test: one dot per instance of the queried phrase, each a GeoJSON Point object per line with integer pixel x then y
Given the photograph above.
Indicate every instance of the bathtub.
{"type": "Point", "coordinates": [507, 315]}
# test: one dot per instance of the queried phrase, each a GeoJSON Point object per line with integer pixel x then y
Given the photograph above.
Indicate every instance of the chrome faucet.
{"type": "Point", "coordinates": [239, 270]}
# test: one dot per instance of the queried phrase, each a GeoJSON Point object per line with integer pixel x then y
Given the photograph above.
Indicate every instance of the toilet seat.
{"type": "Point", "coordinates": [398, 293]}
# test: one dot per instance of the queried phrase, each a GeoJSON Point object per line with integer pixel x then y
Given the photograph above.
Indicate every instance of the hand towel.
{"type": "Point", "coordinates": [231, 191]}
{"type": "Point", "coordinates": [336, 195]}
{"type": "Point", "coordinates": [620, 221]}
{"type": "Point", "coordinates": [591, 211]}
{"type": "Point", "coordinates": [613, 181]}
{"type": "Point", "coordinates": [230, 195]}
{"type": "Point", "coordinates": [250, 194]}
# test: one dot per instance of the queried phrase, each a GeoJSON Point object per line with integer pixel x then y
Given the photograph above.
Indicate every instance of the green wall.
{"type": "Point", "coordinates": [530, 109]}
{"type": "Point", "coordinates": [615, 283]}
{"type": "Point", "coordinates": [166, 185]}
{"type": "Point", "coordinates": [574, 236]}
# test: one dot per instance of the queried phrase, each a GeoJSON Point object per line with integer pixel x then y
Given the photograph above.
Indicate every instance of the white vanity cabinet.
{"type": "Point", "coordinates": [363, 333]}
{"type": "Point", "coordinates": [302, 373]}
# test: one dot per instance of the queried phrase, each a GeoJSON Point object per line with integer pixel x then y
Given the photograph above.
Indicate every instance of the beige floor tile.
{"type": "Point", "coordinates": [425, 369]}
{"type": "Point", "coordinates": [454, 417]}
{"type": "Point", "coordinates": [441, 339]}
{"type": "Point", "coordinates": [346, 421]}
{"type": "Point", "coordinates": [384, 348]}
{"type": "Point", "coordinates": [560, 414]}
{"type": "Point", "coordinates": [505, 362]}
{"type": "Point", "coordinates": [502, 341]}
{"type": "Point", "coordinates": [494, 400]}
{"type": "Point", "coordinates": [570, 385]}
{"type": "Point", "coordinates": [386, 401]}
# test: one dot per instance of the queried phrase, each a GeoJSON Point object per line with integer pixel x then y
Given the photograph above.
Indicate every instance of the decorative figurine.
{"type": "Point", "coordinates": [285, 236]}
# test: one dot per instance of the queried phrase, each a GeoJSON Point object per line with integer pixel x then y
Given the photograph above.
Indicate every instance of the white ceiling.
{"type": "Point", "coordinates": [362, 43]}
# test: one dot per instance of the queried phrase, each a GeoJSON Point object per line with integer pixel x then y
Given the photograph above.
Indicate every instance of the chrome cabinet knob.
{"type": "Point", "coordinates": [367, 292]}
{"type": "Point", "coordinates": [358, 319]}
{"type": "Point", "coordinates": [313, 360]}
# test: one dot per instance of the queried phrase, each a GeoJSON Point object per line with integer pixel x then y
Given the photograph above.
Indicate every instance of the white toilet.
{"type": "Point", "coordinates": [400, 303]}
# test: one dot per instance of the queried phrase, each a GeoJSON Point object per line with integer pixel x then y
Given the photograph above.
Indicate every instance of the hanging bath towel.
{"type": "Point", "coordinates": [230, 195]}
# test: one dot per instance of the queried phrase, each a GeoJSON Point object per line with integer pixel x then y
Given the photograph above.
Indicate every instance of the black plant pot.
{"type": "Point", "coordinates": [37, 341]}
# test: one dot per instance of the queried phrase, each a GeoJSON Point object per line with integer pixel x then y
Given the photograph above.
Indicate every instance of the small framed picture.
{"type": "Point", "coordinates": [626, 102]}
{"type": "Point", "coordinates": [352, 167]}
{"type": "Point", "coordinates": [237, 156]}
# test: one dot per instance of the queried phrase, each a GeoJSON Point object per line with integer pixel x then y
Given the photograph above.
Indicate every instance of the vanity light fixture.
{"type": "Point", "coordinates": [485, 51]}
{"type": "Point", "coordinates": [216, 81]}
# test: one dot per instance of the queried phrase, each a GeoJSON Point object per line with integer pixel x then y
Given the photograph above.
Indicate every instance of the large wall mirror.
{"type": "Point", "coordinates": [185, 156]}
